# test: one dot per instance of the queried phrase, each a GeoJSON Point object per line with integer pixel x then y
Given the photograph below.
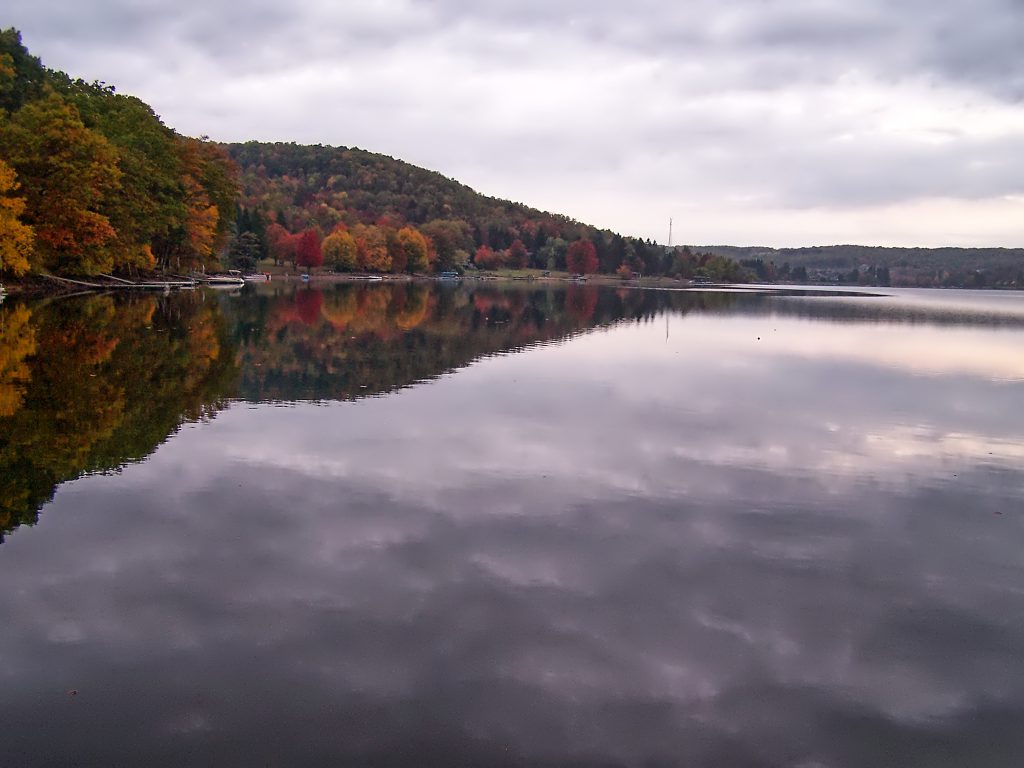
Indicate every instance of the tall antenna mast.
{"type": "Point", "coordinates": [669, 231]}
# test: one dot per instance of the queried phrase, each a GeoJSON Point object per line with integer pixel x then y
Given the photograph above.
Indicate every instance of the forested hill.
{"type": "Point", "coordinates": [363, 202]}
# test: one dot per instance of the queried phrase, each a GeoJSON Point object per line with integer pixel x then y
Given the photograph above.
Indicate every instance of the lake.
{"type": "Point", "coordinates": [520, 524]}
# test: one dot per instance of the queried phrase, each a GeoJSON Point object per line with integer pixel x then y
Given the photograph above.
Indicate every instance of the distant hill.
{"type": "Point", "coordinates": [968, 267]}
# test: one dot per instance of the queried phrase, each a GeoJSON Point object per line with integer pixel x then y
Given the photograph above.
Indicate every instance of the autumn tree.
{"type": "Point", "coordinates": [518, 257]}
{"type": "Point", "coordinates": [581, 258]}
{"type": "Point", "coordinates": [416, 249]}
{"type": "Point", "coordinates": [146, 213]}
{"type": "Point", "coordinates": [16, 239]}
{"type": "Point", "coordinates": [486, 258]}
{"type": "Point", "coordinates": [280, 244]}
{"type": "Point", "coordinates": [210, 192]}
{"type": "Point", "coordinates": [308, 253]}
{"type": "Point", "coordinates": [339, 250]}
{"type": "Point", "coordinates": [399, 260]}
{"type": "Point", "coordinates": [66, 171]}
{"type": "Point", "coordinates": [371, 248]}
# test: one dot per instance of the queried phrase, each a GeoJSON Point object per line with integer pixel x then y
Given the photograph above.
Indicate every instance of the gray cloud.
{"type": "Point", "coordinates": [600, 109]}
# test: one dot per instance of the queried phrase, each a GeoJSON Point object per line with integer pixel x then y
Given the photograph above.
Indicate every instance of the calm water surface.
{"type": "Point", "coordinates": [419, 525]}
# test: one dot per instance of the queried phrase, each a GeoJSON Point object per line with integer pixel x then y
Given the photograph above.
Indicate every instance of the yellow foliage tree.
{"type": "Point", "coordinates": [16, 239]}
{"type": "Point", "coordinates": [339, 250]}
{"type": "Point", "coordinates": [416, 249]}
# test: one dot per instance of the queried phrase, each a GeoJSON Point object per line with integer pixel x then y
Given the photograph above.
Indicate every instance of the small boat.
{"type": "Point", "coordinates": [305, 278]}
{"type": "Point", "coordinates": [448, 275]}
{"type": "Point", "coordinates": [257, 278]}
{"type": "Point", "coordinates": [2, 292]}
{"type": "Point", "coordinates": [232, 278]}
{"type": "Point", "coordinates": [223, 280]}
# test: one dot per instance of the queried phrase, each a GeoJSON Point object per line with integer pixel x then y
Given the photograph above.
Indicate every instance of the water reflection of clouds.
{"type": "Point", "coordinates": [514, 417]}
{"type": "Point", "coordinates": [743, 342]}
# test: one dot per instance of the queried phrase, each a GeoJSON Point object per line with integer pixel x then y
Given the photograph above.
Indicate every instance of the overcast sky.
{"type": "Point", "coordinates": [773, 122]}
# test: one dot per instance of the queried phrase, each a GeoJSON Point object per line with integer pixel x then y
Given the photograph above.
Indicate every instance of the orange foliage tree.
{"type": "Point", "coordinates": [372, 248]}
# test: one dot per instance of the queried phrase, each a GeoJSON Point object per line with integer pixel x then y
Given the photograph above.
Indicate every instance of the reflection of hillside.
{"type": "Point", "coordinates": [89, 384]}
{"type": "Point", "coordinates": [348, 341]}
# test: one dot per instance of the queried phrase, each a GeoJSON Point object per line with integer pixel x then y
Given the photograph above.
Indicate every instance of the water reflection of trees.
{"type": "Point", "coordinates": [90, 384]}
{"type": "Point", "coordinates": [348, 341]}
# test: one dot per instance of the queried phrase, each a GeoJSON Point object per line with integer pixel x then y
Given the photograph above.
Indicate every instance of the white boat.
{"type": "Point", "coordinates": [223, 280]}
{"type": "Point", "coordinates": [255, 278]}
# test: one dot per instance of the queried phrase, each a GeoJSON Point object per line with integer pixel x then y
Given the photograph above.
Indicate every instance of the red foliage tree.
{"type": "Point", "coordinates": [282, 244]}
{"type": "Point", "coordinates": [486, 258]}
{"type": "Point", "coordinates": [308, 253]}
{"type": "Point", "coordinates": [517, 255]}
{"type": "Point", "coordinates": [581, 258]}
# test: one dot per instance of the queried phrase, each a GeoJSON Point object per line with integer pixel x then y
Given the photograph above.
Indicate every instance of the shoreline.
{"type": "Point", "coordinates": [36, 286]}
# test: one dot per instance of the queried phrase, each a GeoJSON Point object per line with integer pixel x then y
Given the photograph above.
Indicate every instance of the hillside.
{"type": "Point", "coordinates": [372, 198]}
